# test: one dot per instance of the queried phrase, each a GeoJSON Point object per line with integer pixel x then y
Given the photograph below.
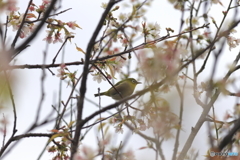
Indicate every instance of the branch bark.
{"type": "Point", "coordinates": [80, 101]}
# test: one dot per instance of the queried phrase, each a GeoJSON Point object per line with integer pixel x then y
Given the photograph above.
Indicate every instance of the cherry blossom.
{"type": "Point", "coordinates": [98, 77]}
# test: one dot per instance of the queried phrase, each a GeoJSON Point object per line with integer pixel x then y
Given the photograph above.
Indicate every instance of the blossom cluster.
{"type": "Point", "coordinates": [9, 6]}
{"type": "Point", "coordinates": [232, 42]}
{"type": "Point", "coordinates": [117, 38]}
{"type": "Point", "coordinates": [55, 27]}
{"type": "Point", "coordinates": [64, 73]}
{"type": "Point", "coordinates": [34, 15]}
{"type": "Point", "coordinates": [163, 61]}
{"type": "Point", "coordinates": [150, 31]}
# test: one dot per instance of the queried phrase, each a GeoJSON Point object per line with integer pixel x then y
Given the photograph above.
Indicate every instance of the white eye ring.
{"type": "Point", "coordinates": [133, 81]}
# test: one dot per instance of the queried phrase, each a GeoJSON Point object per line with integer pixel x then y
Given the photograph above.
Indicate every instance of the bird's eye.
{"type": "Point", "coordinates": [134, 81]}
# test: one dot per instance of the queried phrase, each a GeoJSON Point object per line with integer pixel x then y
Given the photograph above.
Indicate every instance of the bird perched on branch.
{"type": "Point", "coordinates": [125, 88]}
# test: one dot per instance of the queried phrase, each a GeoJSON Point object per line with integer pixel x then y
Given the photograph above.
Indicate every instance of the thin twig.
{"type": "Point", "coordinates": [54, 59]}
{"type": "Point", "coordinates": [40, 19]}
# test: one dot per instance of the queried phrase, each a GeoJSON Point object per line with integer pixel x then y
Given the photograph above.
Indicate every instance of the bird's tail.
{"type": "Point", "coordinates": [99, 94]}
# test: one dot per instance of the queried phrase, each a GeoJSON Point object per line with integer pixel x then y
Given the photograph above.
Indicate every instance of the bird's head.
{"type": "Point", "coordinates": [132, 81]}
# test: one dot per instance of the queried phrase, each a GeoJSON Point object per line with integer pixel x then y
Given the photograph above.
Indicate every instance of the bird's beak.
{"type": "Point", "coordinates": [139, 82]}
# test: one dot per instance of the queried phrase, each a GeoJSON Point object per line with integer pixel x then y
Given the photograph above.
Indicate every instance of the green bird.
{"type": "Point", "coordinates": [124, 87]}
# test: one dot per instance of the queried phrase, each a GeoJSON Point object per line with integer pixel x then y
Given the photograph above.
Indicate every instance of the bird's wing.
{"type": "Point", "coordinates": [123, 88]}
{"type": "Point", "coordinates": [118, 83]}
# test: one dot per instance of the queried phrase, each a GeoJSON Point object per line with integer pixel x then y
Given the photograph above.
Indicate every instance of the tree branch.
{"type": "Point", "coordinates": [80, 100]}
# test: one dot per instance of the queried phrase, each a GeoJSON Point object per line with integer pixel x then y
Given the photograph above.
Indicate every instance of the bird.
{"type": "Point", "coordinates": [124, 87]}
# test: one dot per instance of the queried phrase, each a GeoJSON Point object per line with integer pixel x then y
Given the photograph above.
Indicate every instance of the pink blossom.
{"type": "Point", "coordinates": [124, 41]}
{"type": "Point", "coordinates": [72, 25]}
{"type": "Point", "coordinates": [22, 35]}
{"type": "Point", "coordinates": [129, 155]}
{"type": "Point", "coordinates": [48, 39]}
{"type": "Point", "coordinates": [143, 127]}
{"type": "Point", "coordinates": [41, 8]}
{"type": "Point", "coordinates": [45, 2]}
{"type": "Point", "coordinates": [232, 42]}
{"type": "Point", "coordinates": [120, 61]}
{"type": "Point", "coordinates": [98, 77]}
{"type": "Point", "coordinates": [11, 5]}
{"type": "Point", "coordinates": [227, 115]}
{"type": "Point", "coordinates": [61, 71]}
{"type": "Point", "coordinates": [31, 8]}
{"type": "Point", "coordinates": [57, 38]}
